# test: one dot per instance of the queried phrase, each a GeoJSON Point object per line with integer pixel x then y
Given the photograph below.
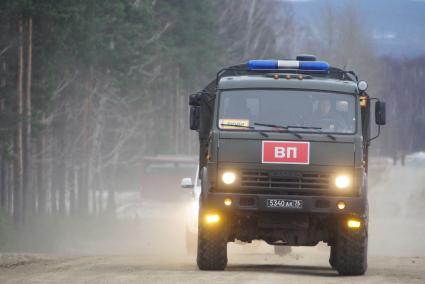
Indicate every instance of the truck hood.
{"type": "Point", "coordinates": [320, 153]}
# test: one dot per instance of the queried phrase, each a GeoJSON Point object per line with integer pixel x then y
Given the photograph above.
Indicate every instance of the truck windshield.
{"type": "Point", "coordinates": [319, 111]}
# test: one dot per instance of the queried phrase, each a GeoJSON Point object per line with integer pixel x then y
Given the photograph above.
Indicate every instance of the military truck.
{"type": "Point", "coordinates": [284, 158]}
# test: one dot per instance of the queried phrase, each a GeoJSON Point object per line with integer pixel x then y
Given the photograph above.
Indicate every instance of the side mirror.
{"type": "Point", "coordinates": [195, 99]}
{"type": "Point", "coordinates": [380, 115]}
{"type": "Point", "coordinates": [187, 183]}
{"type": "Point", "coordinates": [194, 117]}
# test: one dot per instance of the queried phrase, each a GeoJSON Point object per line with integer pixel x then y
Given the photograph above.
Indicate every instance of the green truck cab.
{"type": "Point", "coordinates": [283, 158]}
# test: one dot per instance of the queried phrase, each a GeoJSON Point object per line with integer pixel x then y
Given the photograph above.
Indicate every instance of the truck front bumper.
{"type": "Point", "coordinates": [306, 204]}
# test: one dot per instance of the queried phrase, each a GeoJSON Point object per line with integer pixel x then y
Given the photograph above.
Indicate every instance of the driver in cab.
{"type": "Point", "coordinates": [327, 119]}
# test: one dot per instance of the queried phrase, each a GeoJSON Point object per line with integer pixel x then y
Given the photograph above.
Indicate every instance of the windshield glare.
{"type": "Point", "coordinates": [332, 112]}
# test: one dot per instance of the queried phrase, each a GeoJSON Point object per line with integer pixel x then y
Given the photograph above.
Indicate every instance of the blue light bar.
{"type": "Point", "coordinates": [262, 64]}
{"type": "Point", "coordinates": [288, 64]}
{"type": "Point", "coordinates": [314, 65]}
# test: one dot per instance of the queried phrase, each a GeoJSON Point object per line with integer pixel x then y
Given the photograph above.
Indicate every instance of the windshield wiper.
{"type": "Point", "coordinates": [319, 129]}
{"type": "Point", "coordinates": [245, 127]}
{"type": "Point", "coordinates": [286, 128]}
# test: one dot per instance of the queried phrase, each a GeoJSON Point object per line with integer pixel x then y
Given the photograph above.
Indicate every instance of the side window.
{"type": "Point", "coordinates": [345, 112]}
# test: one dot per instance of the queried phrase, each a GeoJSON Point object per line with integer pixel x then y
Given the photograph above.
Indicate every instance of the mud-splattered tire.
{"type": "Point", "coordinates": [349, 254]}
{"type": "Point", "coordinates": [282, 250]}
{"type": "Point", "coordinates": [212, 247]}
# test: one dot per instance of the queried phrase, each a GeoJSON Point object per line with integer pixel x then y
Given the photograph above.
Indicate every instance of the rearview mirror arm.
{"type": "Point", "coordinates": [373, 138]}
{"type": "Point", "coordinates": [379, 126]}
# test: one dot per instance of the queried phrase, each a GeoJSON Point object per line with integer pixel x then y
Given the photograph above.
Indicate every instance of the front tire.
{"type": "Point", "coordinates": [349, 253]}
{"type": "Point", "coordinates": [212, 247]}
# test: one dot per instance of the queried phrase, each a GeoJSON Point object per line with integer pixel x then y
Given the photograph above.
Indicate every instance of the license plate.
{"type": "Point", "coordinates": [284, 203]}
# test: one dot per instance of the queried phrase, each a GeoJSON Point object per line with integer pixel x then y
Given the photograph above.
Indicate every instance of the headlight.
{"type": "Point", "coordinates": [228, 177]}
{"type": "Point", "coordinates": [342, 181]}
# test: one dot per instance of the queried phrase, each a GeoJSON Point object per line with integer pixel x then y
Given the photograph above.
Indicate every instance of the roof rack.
{"type": "Point", "coordinates": [331, 73]}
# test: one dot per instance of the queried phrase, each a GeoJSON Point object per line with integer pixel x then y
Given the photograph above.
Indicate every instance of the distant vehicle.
{"type": "Point", "coordinates": [192, 211]}
{"type": "Point", "coordinates": [162, 173]}
{"type": "Point", "coordinates": [284, 158]}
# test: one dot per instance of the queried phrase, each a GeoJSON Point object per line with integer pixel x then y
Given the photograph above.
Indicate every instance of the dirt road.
{"type": "Point", "coordinates": [154, 251]}
{"type": "Point", "coordinates": [246, 268]}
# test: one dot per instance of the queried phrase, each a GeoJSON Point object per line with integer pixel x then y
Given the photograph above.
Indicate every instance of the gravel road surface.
{"type": "Point", "coordinates": [243, 268]}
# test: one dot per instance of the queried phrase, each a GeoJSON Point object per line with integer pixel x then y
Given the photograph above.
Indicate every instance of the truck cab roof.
{"type": "Point", "coordinates": [268, 81]}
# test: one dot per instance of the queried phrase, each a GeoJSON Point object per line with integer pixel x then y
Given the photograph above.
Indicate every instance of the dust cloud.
{"type": "Point", "coordinates": [397, 207]}
{"type": "Point", "coordinates": [154, 226]}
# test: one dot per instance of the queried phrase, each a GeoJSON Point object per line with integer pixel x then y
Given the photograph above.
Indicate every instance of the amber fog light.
{"type": "Point", "coordinates": [212, 218]}
{"type": "Point", "coordinates": [354, 223]}
{"type": "Point", "coordinates": [227, 201]}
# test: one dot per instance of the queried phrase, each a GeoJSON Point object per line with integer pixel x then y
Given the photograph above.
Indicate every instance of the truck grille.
{"type": "Point", "coordinates": [288, 181]}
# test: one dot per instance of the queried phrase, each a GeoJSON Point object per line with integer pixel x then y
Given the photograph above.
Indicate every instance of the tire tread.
{"type": "Point", "coordinates": [212, 249]}
{"type": "Point", "coordinates": [349, 256]}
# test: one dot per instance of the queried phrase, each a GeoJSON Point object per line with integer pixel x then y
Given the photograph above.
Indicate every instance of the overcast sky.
{"type": "Point", "coordinates": [396, 26]}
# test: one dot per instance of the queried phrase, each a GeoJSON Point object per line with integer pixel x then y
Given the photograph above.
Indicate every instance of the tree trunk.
{"type": "Point", "coordinates": [10, 187]}
{"type": "Point", "coordinates": [18, 157]}
{"type": "Point", "coordinates": [59, 165]}
{"type": "Point", "coordinates": [53, 196]}
{"type": "Point", "coordinates": [93, 189]}
{"type": "Point", "coordinates": [100, 186]}
{"type": "Point", "coordinates": [3, 162]}
{"type": "Point", "coordinates": [85, 171]}
{"type": "Point", "coordinates": [61, 186]}
{"type": "Point", "coordinates": [72, 183]}
{"type": "Point", "coordinates": [2, 187]}
{"type": "Point", "coordinates": [41, 181]}
{"type": "Point", "coordinates": [4, 184]}
{"type": "Point", "coordinates": [28, 192]}
{"type": "Point", "coordinates": [83, 203]}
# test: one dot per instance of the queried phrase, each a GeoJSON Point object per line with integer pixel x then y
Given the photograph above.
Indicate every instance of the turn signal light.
{"type": "Point", "coordinates": [212, 218]}
{"type": "Point", "coordinates": [353, 223]}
